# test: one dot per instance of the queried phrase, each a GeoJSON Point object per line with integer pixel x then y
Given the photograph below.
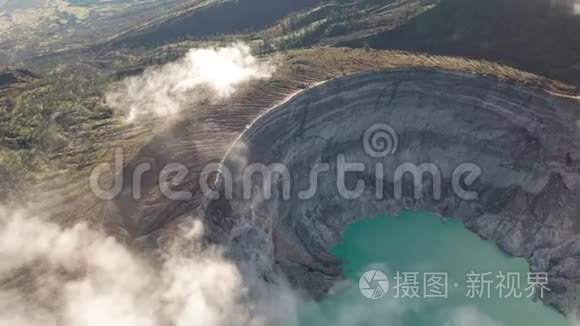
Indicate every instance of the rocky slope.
{"type": "Point", "coordinates": [205, 19]}
{"type": "Point", "coordinates": [203, 135]}
{"type": "Point", "coordinates": [534, 35]}
{"type": "Point", "coordinates": [13, 78]}
{"type": "Point", "coordinates": [525, 141]}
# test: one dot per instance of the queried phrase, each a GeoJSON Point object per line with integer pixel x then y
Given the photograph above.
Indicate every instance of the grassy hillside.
{"type": "Point", "coordinates": [43, 116]}
{"type": "Point", "coordinates": [338, 21]}
{"type": "Point", "coordinates": [209, 18]}
{"type": "Point", "coordinates": [542, 36]}
{"type": "Point", "coordinates": [34, 27]}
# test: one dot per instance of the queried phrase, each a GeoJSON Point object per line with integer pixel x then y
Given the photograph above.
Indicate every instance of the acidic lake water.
{"type": "Point", "coordinates": [428, 249]}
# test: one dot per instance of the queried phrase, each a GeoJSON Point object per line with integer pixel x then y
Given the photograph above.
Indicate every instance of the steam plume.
{"type": "Point", "coordinates": [203, 74]}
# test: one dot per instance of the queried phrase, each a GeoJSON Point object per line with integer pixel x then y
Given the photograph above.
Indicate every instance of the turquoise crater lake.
{"type": "Point", "coordinates": [420, 243]}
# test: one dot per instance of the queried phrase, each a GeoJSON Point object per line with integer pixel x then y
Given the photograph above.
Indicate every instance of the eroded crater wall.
{"type": "Point", "coordinates": [525, 142]}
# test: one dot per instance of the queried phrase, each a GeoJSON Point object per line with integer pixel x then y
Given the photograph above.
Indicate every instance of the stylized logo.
{"type": "Point", "coordinates": [381, 140]}
{"type": "Point", "coordinates": [374, 284]}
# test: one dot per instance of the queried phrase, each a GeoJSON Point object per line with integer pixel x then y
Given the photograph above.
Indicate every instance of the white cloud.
{"type": "Point", "coordinates": [79, 277]}
{"type": "Point", "coordinates": [203, 74]}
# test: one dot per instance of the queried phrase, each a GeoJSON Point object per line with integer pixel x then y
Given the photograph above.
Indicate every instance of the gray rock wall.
{"type": "Point", "coordinates": [525, 141]}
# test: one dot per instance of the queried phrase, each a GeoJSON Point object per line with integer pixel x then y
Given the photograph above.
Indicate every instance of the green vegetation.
{"type": "Point", "coordinates": [43, 118]}
{"type": "Point", "coordinates": [40, 117]}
